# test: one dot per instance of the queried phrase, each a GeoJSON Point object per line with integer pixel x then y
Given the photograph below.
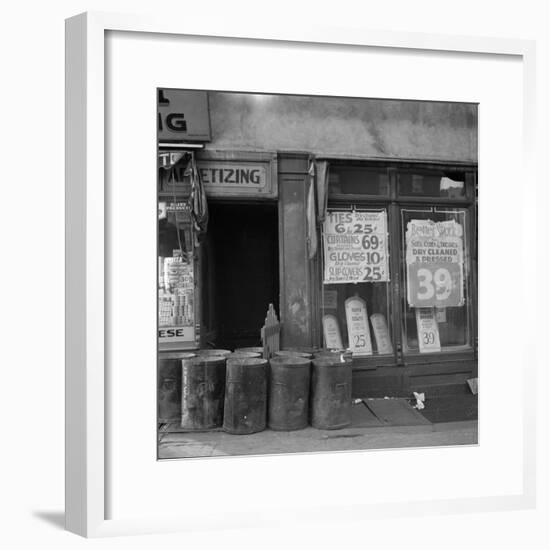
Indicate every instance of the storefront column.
{"type": "Point", "coordinates": [296, 292]}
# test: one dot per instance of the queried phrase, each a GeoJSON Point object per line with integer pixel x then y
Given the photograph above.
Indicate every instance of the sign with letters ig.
{"type": "Point", "coordinates": [183, 115]}
{"type": "Point", "coordinates": [435, 264]}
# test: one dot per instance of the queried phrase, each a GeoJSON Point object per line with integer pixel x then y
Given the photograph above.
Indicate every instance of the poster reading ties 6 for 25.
{"type": "Point", "coordinates": [355, 247]}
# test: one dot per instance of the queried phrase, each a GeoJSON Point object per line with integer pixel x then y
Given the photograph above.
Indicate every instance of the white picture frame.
{"type": "Point", "coordinates": [88, 508]}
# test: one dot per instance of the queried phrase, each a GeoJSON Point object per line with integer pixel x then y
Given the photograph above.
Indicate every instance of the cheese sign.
{"type": "Point", "coordinates": [358, 326]}
{"type": "Point", "coordinates": [435, 264]}
{"type": "Point", "coordinates": [331, 332]}
{"type": "Point", "coordinates": [355, 247]}
{"type": "Point", "coordinates": [428, 330]}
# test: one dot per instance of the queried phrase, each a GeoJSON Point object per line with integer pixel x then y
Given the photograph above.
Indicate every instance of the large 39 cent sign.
{"type": "Point", "coordinates": [435, 263]}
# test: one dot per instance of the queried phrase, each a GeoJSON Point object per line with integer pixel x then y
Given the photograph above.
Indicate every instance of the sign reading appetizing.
{"type": "Point", "coordinates": [355, 247]}
{"type": "Point", "coordinates": [435, 263]}
{"type": "Point", "coordinates": [217, 174]}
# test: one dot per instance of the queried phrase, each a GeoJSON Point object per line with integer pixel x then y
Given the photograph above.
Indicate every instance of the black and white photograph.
{"type": "Point", "coordinates": [317, 273]}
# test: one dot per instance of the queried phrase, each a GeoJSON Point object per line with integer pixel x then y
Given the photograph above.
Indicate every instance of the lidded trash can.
{"type": "Point", "coordinates": [289, 379]}
{"type": "Point", "coordinates": [292, 353]}
{"type": "Point", "coordinates": [245, 408]}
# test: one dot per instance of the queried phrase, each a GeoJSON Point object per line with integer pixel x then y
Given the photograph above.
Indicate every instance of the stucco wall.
{"type": "Point", "coordinates": [368, 128]}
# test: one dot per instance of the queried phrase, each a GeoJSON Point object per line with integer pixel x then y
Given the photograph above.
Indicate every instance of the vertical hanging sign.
{"type": "Point", "coordinates": [358, 326]}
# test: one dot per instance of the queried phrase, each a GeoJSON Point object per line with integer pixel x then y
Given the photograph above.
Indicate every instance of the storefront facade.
{"type": "Point", "coordinates": [356, 218]}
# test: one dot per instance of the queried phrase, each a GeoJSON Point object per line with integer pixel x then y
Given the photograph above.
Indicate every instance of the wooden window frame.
{"type": "Point", "coordinates": [393, 202]}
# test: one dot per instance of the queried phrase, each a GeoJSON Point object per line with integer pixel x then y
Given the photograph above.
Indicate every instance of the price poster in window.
{"type": "Point", "coordinates": [331, 332]}
{"type": "Point", "coordinates": [355, 247]}
{"type": "Point", "coordinates": [428, 330]}
{"type": "Point", "coordinates": [435, 264]}
{"type": "Point", "coordinates": [358, 326]}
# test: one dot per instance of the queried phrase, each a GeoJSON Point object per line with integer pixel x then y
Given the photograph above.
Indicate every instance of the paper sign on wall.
{"type": "Point", "coordinates": [381, 333]}
{"type": "Point", "coordinates": [435, 264]}
{"type": "Point", "coordinates": [358, 326]}
{"type": "Point", "coordinates": [331, 332]}
{"type": "Point", "coordinates": [355, 247]}
{"type": "Point", "coordinates": [428, 330]}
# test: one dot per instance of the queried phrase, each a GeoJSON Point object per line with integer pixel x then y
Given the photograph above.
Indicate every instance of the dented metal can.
{"type": "Point", "coordinates": [289, 379]}
{"type": "Point", "coordinates": [169, 385]}
{"type": "Point", "coordinates": [331, 393]}
{"type": "Point", "coordinates": [202, 392]}
{"type": "Point", "coordinates": [245, 408]}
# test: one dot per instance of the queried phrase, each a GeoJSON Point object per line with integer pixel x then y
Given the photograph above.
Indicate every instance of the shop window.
{"type": "Point", "coordinates": [176, 273]}
{"type": "Point", "coordinates": [435, 259]}
{"type": "Point", "coordinates": [345, 180]}
{"type": "Point", "coordinates": [426, 304]}
{"type": "Point", "coordinates": [356, 295]}
{"type": "Point", "coordinates": [450, 185]}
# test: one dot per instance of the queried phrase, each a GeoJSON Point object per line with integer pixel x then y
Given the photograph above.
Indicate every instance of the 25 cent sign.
{"type": "Point", "coordinates": [435, 263]}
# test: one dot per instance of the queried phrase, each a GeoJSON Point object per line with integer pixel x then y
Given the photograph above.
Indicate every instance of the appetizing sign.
{"type": "Point", "coordinates": [435, 263]}
{"type": "Point", "coordinates": [222, 178]}
{"type": "Point", "coordinates": [331, 332]}
{"type": "Point", "coordinates": [355, 247]}
{"type": "Point", "coordinates": [358, 326]}
{"type": "Point", "coordinates": [233, 175]}
{"type": "Point", "coordinates": [428, 330]}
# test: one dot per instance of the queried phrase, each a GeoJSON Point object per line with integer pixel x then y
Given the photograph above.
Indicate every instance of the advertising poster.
{"type": "Point", "coordinates": [176, 300]}
{"type": "Point", "coordinates": [428, 330]}
{"type": "Point", "coordinates": [355, 247]}
{"type": "Point", "coordinates": [435, 264]}
{"type": "Point", "coordinates": [331, 332]}
{"type": "Point", "coordinates": [381, 333]}
{"type": "Point", "coordinates": [358, 326]}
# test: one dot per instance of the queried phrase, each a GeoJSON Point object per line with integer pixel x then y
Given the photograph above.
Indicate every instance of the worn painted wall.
{"type": "Point", "coordinates": [368, 128]}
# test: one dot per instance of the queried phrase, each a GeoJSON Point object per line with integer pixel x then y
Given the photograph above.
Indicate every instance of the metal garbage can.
{"type": "Point", "coordinates": [202, 392]}
{"type": "Point", "coordinates": [288, 405]}
{"type": "Point", "coordinates": [245, 407]}
{"type": "Point", "coordinates": [169, 385]}
{"type": "Point", "coordinates": [331, 393]}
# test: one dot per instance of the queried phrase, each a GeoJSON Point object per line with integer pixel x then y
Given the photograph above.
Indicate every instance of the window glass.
{"type": "Point", "coordinates": [435, 260]}
{"type": "Point", "coordinates": [356, 275]}
{"type": "Point", "coordinates": [351, 180]}
{"type": "Point", "coordinates": [175, 271]}
{"type": "Point", "coordinates": [445, 184]}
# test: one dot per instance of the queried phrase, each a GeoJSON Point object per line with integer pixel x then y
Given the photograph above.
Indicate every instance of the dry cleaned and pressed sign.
{"type": "Point", "coordinates": [355, 247]}
{"type": "Point", "coordinates": [435, 263]}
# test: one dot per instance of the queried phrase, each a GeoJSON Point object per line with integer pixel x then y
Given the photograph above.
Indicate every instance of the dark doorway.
{"type": "Point", "coordinates": [244, 278]}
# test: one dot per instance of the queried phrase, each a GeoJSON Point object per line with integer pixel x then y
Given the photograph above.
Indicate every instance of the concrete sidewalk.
{"type": "Point", "coordinates": [218, 443]}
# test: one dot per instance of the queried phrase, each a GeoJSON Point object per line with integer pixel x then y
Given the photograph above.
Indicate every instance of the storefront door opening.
{"type": "Point", "coordinates": [242, 275]}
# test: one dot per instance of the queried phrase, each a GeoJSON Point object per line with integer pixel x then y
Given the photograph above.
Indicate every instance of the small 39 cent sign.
{"type": "Point", "coordinates": [428, 330]}
{"type": "Point", "coordinates": [358, 326]}
{"type": "Point", "coordinates": [355, 247]}
{"type": "Point", "coordinates": [435, 263]}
